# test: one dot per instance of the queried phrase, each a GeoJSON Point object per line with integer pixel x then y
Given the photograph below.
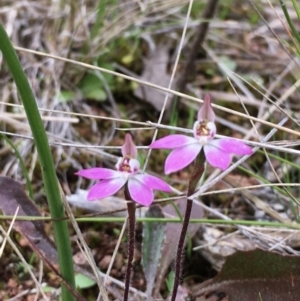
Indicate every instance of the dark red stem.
{"type": "Point", "coordinates": [194, 179]}
{"type": "Point", "coordinates": [131, 242]}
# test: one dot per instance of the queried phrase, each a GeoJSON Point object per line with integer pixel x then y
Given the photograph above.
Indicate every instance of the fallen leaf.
{"type": "Point", "coordinates": [215, 245]}
{"type": "Point", "coordinates": [13, 196]}
{"type": "Point", "coordinates": [254, 276]}
{"type": "Point", "coordinates": [155, 72]}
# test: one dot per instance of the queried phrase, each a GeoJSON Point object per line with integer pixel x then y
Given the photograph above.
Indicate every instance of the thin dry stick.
{"type": "Point", "coordinates": [87, 250]}
{"type": "Point", "coordinates": [115, 251]}
{"type": "Point", "coordinates": [215, 106]}
{"type": "Point", "coordinates": [273, 33]}
{"type": "Point", "coordinates": [45, 118]}
{"type": "Point", "coordinates": [199, 165]}
{"type": "Point", "coordinates": [38, 285]}
{"type": "Point", "coordinates": [40, 277]}
{"type": "Point", "coordinates": [212, 182]}
{"type": "Point", "coordinates": [171, 79]}
{"type": "Point", "coordinates": [8, 232]}
{"type": "Point", "coordinates": [261, 120]}
{"type": "Point", "coordinates": [264, 150]}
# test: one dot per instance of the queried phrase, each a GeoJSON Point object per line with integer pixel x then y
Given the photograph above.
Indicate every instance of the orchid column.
{"type": "Point", "coordinates": [138, 188]}
{"type": "Point", "coordinates": [200, 148]}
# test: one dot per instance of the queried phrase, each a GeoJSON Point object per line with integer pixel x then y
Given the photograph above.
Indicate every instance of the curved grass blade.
{"type": "Point", "coordinates": [49, 176]}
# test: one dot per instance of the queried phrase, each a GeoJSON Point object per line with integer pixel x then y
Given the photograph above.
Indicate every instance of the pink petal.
{"type": "Point", "coordinates": [97, 173]}
{"type": "Point", "coordinates": [181, 157]}
{"type": "Point", "coordinates": [134, 165]}
{"type": "Point", "coordinates": [232, 146]}
{"type": "Point", "coordinates": [129, 148]}
{"type": "Point", "coordinates": [217, 157]}
{"type": "Point", "coordinates": [153, 182]}
{"type": "Point", "coordinates": [106, 188]}
{"type": "Point", "coordinates": [206, 111]}
{"type": "Point", "coordinates": [172, 141]}
{"type": "Point", "coordinates": [139, 192]}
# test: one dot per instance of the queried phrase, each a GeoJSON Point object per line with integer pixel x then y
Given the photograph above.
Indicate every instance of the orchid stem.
{"type": "Point", "coordinates": [131, 234]}
{"type": "Point", "coordinates": [195, 177]}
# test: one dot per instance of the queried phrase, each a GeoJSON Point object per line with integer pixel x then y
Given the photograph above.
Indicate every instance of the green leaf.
{"type": "Point", "coordinates": [91, 87]}
{"type": "Point", "coordinates": [48, 289]}
{"type": "Point", "coordinates": [83, 282]}
{"type": "Point", "coordinates": [96, 94]}
{"type": "Point", "coordinates": [227, 63]}
{"type": "Point", "coordinates": [66, 96]}
{"type": "Point", "coordinates": [153, 236]}
{"type": "Point", "coordinates": [170, 281]}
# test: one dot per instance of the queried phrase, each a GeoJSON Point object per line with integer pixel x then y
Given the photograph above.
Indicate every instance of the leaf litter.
{"type": "Point", "coordinates": [256, 55]}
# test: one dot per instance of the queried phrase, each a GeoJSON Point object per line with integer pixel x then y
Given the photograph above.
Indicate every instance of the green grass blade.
{"type": "Point", "coordinates": [49, 176]}
{"type": "Point", "coordinates": [290, 22]}
{"type": "Point", "coordinates": [297, 9]}
{"type": "Point", "coordinates": [22, 165]}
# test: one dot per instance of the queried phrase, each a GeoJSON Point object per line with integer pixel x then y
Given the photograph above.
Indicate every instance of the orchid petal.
{"type": "Point", "coordinates": [172, 141]}
{"type": "Point", "coordinates": [206, 111]}
{"type": "Point", "coordinates": [119, 162]}
{"type": "Point", "coordinates": [217, 157]}
{"type": "Point", "coordinates": [129, 149]}
{"type": "Point", "coordinates": [139, 192]}
{"type": "Point", "coordinates": [211, 132]}
{"type": "Point", "coordinates": [232, 146]}
{"type": "Point", "coordinates": [98, 173]}
{"type": "Point", "coordinates": [106, 188]}
{"type": "Point", "coordinates": [153, 182]}
{"type": "Point", "coordinates": [181, 157]}
{"type": "Point", "coordinates": [134, 165]}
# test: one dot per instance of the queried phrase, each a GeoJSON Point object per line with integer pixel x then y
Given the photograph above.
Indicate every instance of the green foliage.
{"type": "Point", "coordinates": [153, 237]}
{"type": "Point", "coordinates": [92, 88]}
{"type": "Point", "coordinates": [295, 35]}
{"type": "Point", "coordinates": [224, 9]}
{"type": "Point", "coordinates": [83, 282]}
{"type": "Point", "coordinates": [197, 9]}
{"type": "Point", "coordinates": [66, 96]}
{"type": "Point", "coordinates": [191, 118]}
{"type": "Point", "coordinates": [170, 281]}
{"type": "Point", "coordinates": [92, 85]}
{"type": "Point", "coordinates": [49, 176]}
{"type": "Point", "coordinates": [22, 165]}
{"type": "Point", "coordinates": [22, 269]}
{"type": "Point", "coordinates": [103, 7]}
{"type": "Point", "coordinates": [174, 115]}
{"type": "Point", "coordinates": [227, 63]}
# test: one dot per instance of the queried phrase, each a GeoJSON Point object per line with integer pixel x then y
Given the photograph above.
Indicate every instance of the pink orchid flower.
{"type": "Point", "coordinates": [140, 186]}
{"type": "Point", "coordinates": [217, 151]}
